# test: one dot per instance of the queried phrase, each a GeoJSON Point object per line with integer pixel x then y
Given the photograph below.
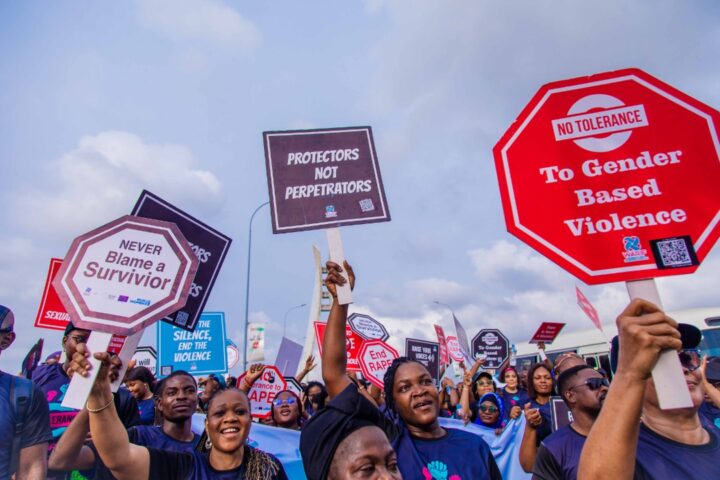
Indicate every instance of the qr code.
{"type": "Point", "coordinates": [181, 318]}
{"type": "Point", "coordinates": [366, 205]}
{"type": "Point", "coordinates": [674, 253]}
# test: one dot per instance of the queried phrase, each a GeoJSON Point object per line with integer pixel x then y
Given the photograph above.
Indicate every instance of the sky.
{"type": "Point", "coordinates": [100, 100]}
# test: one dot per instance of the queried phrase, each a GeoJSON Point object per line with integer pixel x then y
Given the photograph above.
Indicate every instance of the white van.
{"type": "Point", "coordinates": [594, 347]}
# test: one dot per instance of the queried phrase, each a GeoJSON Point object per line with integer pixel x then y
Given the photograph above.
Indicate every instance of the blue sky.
{"type": "Point", "coordinates": [100, 100]}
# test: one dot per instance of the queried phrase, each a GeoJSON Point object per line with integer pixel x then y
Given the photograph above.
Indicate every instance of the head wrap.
{"type": "Point", "coordinates": [7, 319]}
{"type": "Point", "coordinates": [322, 434]}
{"type": "Point", "coordinates": [494, 398]}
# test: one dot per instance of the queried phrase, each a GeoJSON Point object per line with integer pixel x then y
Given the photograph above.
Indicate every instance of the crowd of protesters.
{"type": "Point", "coordinates": [349, 428]}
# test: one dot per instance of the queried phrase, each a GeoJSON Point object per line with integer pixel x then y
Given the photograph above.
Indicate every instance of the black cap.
{"type": "Point", "coordinates": [689, 334]}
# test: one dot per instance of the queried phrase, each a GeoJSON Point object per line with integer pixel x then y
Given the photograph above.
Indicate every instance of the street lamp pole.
{"type": "Point", "coordinates": [247, 285]}
{"type": "Point", "coordinates": [286, 315]}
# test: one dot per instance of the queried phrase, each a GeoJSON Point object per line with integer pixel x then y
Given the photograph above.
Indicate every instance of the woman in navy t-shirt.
{"type": "Point", "coordinates": [513, 396]}
{"type": "Point", "coordinates": [141, 383]}
{"type": "Point", "coordinates": [537, 413]}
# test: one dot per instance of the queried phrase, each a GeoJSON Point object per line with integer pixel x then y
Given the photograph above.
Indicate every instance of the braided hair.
{"type": "Point", "coordinates": [389, 382]}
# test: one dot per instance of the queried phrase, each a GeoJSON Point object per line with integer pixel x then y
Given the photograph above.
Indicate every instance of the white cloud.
{"type": "Point", "coordinates": [207, 21]}
{"type": "Point", "coordinates": [100, 180]}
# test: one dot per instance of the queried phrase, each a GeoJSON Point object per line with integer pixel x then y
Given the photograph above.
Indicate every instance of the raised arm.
{"type": "Point", "coordinates": [251, 375]}
{"type": "Point", "coordinates": [609, 451]}
{"type": "Point", "coordinates": [125, 460]}
{"type": "Point", "coordinates": [334, 354]}
{"type": "Point", "coordinates": [71, 453]}
{"type": "Point", "coordinates": [709, 389]}
{"type": "Point", "coordinates": [309, 365]}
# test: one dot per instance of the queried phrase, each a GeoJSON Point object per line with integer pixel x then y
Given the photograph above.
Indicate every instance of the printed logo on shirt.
{"type": "Point", "coordinates": [437, 470]}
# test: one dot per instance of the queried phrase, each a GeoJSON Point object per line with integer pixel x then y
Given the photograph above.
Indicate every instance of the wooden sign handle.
{"type": "Point", "coordinates": [668, 376]}
{"type": "Point", "coordinates": [344, 293]}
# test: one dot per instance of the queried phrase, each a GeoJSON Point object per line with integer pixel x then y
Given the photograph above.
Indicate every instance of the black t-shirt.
{"type": "Point", "coordinates": [559, 455]}
{"type": "Point", "coordinates": [36, 425]}
{"type": "Point", "coordinates": [256, 465]}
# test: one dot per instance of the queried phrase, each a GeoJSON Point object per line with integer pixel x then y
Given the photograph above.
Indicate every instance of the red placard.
{"type": "Point", "coordinates": [547, 332]}
{"type": "Point", "coordinates": [454, 349]}
{"type": "Point", "coordinates": [376, 357]}
{"type": "Point", "coordinates": [353, 342]}
{"type": "Point", "coordinates": [444, 360]}
{"type": "Point", "coordinates": [263, 391]}
{"type": "Point", "coordinates": [588, 308]}
{"type": "Point", "coordinates": [52, 313]}
{"type": "Point", "coordinates": [613, 177]}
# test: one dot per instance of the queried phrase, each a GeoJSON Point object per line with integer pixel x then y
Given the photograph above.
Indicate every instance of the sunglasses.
{"type": "Point", "coordinates": [78, 338]}
{"type": "Point", "coordinates": [278, 402]}
{"type": "Point", "coordinates": [595, 383]}
{"type": "Point", "coordinates": [484, 384]}
{"type": "Point", "coordinates": [488, 408]}
{"type": "Point", "coordinates": [690, 359]}
{"type": "Point", "coordinates": [3, 331]}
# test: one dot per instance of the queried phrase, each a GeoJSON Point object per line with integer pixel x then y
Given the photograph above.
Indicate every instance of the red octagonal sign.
{"type": "Point", "coordinates": [614, 177]}
{"type": "Point", "coordinates": [375, 358]}
{"type": "Point", "coordinates": [125, 275]}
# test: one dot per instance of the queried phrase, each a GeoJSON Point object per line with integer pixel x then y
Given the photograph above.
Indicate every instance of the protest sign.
{"type": "Point", "coordinates": [125, 275]}
{"type": "Point", "coordinates": [588, 308]}
{"type": "Point", "coordinates": [444, 360]}
{"type": "Point", "coordinates": [375, 358]}
{"type": "Point", "coordinates": [288, 357]}
{"type": "Point", "coordinates": [233, 353]}
{"type": "Point", "coordinates": [547, 332]}
{"type": "Point", "coordinates": [462, 340]}
{"type": "Point", "coordinates": [493, 345]}
{"type": "Point", "coordinates": [263, 391]}
{"type": "Point", "coordinates": [627, 162]}
{"type": "Point", "coordinates": [427, 353]}
{"type": "Point", "coordinates": [199, 352]}
{"type": "Point", "coordinates": [118, 279]}
{"type": "Point", "coordinates": [323, 178]}
{"type": "Point", "coordinates": [367, 327]}
{"type": "Point", "coordinates": [209, 245]}
{"type": "Point", "coordinates": [31, 360]}
{"type": "Point", "coordinates": [256, 342]}
{"type": "Point", "coordinates": [559, 413]}
{"type": "Point", "coordinates": [631, 167]}
{"type": "Point", "coordinates": [52, 313]}
{"type": "Point", "coordinates": [353, 342]}
{"type": "Point", "coordinates": [293, 385]}
{"type": "Point", "coordinates": [146, 356]}
{"type": "Point", "coordinates": [454, 349]}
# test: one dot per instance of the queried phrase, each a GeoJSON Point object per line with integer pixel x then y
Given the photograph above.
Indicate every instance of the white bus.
{"type": "Point", "coordinates": [594, 347]}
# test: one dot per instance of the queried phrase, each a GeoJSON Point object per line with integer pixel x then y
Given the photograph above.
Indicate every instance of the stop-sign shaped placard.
{"type": "Point", "coordinates": [492, 343]}
{"type": "Point", "coordinates": [454, 349]}
{"type": "Point", "coordinates": [125, 275]}
{"type": "Point", "coordinates": [263, 391]}
{"type": "Point", "coordinates": [376, 357]}
{"type": "Point", "coordinates": [614, 177]}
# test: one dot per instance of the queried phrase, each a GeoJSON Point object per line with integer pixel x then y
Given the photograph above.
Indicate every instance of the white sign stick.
{"type": "Point", "coordinates": [126, 354]}
{"type": "Point", "coordinates": [344, 293]}
{"type": "Point", "coordinates": [670, 384]}
{"type": "Point", "coordinates": [79, 388]}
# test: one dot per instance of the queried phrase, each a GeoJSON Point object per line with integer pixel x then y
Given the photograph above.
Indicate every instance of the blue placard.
{"type": "Point", "coordinates": [199, 352]}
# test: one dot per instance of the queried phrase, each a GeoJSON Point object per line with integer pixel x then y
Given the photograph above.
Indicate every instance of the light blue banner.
{"type": "Point", "coordinates": [199, 352]}
{"type": "Point", "coordinates": [285, 444]}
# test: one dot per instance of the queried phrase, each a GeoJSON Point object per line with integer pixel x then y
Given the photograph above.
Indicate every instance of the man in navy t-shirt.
{"type": "Point", "coordinates": [583, 390]}
{"type": "Point", "coordinates": [633, 437]}
{"type": "Point", "coordinates": [29, 458]}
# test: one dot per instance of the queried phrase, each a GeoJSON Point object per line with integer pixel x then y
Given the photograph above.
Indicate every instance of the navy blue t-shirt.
{"type": "Point", "coordinates": [196, 466]}
{"type": "Point", "coordinates": [459, 455]}
{"type": "Point", "coordinates": [559, 455]}
{"type": "Point", "coordinates": [146, 409]}
{"type": "Point", "coordinates": [518, 399]}
{"type": "Point", "coordinates": [710, 414]}
{"type": "Point", "coordinates": [659, 457]}
{"type": "Point", "coordinates": [36, 426]}
{"type": "Point", "coordinates": [545, 427]}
